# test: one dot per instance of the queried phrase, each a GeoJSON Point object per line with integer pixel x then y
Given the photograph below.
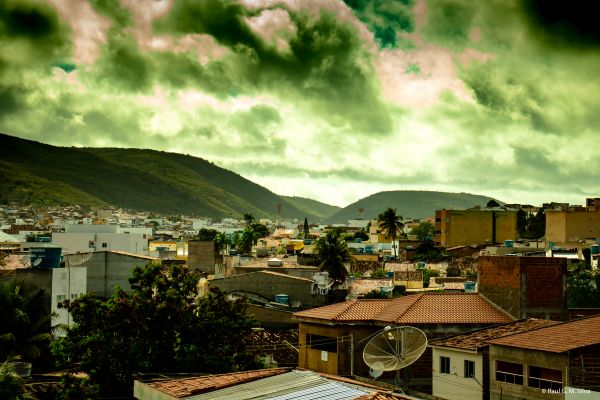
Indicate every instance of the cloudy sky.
{"type": "Point", "coordinates": [328, 99]}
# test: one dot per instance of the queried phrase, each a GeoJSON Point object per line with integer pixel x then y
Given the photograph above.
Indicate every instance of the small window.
{"type": "Point", "coordinates": [545, 378]}
{"type": "Point", "coordinates": [469, 369]}
{"type": "Point", "coordinates": [60, 298]}
{"type": "Point", "coordinates": [104, 245]}
{"type": "Point", "coordinates": [444, 365]}
{"type": "Point", "coordinates": [74, 296]}
{"type": "Point", "coordinates": [323, 343]}
{"type": "Point", "coordinates": [509, 372]}
{"type": "Point", "coordinates": [91, 244]}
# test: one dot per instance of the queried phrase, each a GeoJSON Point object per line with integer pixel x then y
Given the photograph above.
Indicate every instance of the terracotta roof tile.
{"type": "Point", "coordinates": [481, 337]}
{"type": "Point", "coordinates": [557, 338]}
{"type": "Point", "coordinates": [190, 386]}
{"type": "Point", "coordinates": [381, 396]}
{"type": "Point", "coordinates": [425, 308]}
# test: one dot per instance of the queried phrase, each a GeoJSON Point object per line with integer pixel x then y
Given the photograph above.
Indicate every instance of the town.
{"type": "Point", "coordinates": [489, 302]}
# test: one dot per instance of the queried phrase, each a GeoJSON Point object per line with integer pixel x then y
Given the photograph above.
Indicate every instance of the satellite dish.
{"type": "Point", "coordinates": [375, 373]}
{"type": "Point", "coordinates": [36, 261]}
{"type": "Point", "coordinates": [25, 261]}
{"type": "Point", "coordinates": [394, 348]}
{"type": "Point", "coordinates": [77, 258]}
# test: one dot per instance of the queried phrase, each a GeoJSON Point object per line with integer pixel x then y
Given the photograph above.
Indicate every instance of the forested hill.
{"type": "Point", "coordinates": [40, 174]}
{"type": "Point", "coordinates": [408, 203]}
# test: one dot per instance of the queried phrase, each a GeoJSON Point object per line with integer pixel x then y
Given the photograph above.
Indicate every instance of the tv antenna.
{"type": "Point", "coordinates": [392, 349]}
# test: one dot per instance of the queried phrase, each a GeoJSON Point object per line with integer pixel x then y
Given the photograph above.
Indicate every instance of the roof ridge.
{"type": "Point", "coordinates": [346, 309]}
{"type": "Point", "coordinates": [415, 301]}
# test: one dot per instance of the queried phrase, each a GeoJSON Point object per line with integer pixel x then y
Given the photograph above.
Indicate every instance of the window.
{"type": "Point", "coordinates": [323, 343]}
{"type": "Point", "coordinates": [74, 296]}
{"type": "Point", "coordinates": [545, 378]}
{"type": "Point", "coordinates": [444, 365]}
{"type": "Point", "coordinates": [469, 369]}
{"type": "Point", "coordinates": [91, 244]}
{"type": "Point", "coordinates": [509, 372]}
{"type": "Point", "coordinates": [60, 298]}
{"type": "Point", "coordinates": [104, 245]}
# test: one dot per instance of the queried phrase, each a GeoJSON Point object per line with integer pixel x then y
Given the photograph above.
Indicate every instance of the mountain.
{"type": "Point", "coordinates": [312, 207]}
{"type": "Point", "coordinates": [408, 203]}
{"type": "Point", "coordinates": [146, 180]}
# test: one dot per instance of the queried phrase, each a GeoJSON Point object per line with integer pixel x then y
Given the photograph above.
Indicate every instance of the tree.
{"type": "Point", "coordinates": [492, 203]}
{"type": "Point", "coordinates": [332, 253]}
{"type": "Point", "coordinates": [424, 231]}
{"type": "Point", "coordinates": [248, 219]}
{"type": "Point", "coordinates": [391, 225]}
{"type": "Point", "coordinates": [161, 326]}
{"type": "Point", "coordinates": [305, 229]}
{"type": "Point", "coordinates": [207, 235]}
{"type": "Point", "coordinates": [583, 286]}
{"type": "Point", "coordinates": [25, 330]}
{"type": "Point", "coordinates": [362, 235]}
{"type": "Point", "coordinates": [222, 240]}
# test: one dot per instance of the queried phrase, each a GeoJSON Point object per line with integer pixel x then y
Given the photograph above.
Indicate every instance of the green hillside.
{"type": "Point", "coordinates": [150, 180]}
{"type": "Point", "coordinates": [409, 204]}
{"type": "Point", "coordinates": [312, 207]}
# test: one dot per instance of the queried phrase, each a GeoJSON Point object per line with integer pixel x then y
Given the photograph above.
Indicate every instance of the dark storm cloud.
{"type": "Point", "coordinates": [326, 62]}
{"type": "Point", "coordinates": [560, 23]}
{"type": "Point", "coordinates": [387, 19]}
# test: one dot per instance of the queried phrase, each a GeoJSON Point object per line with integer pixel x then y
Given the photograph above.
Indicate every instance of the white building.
{"type": "Point", "coordinates": [461, 362]}
{"type": "Point", "coordinates": [86, 238]}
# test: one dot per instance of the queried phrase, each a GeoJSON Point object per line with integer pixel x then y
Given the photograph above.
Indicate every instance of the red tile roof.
{"type": "Point", "coordinates": [191, 386]}
{"type": "Point", "coordinates": [480, 338]}
{"type": "Point", "coordinates": [557, 338]}
{"type": "Point", "coordinates": [424, 308]}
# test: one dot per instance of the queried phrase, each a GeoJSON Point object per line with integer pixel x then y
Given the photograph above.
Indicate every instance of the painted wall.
{"type": "Point", "coordinates": [566, 228]}
{"type": "Point", "coordinates": [454, 386]}
{"type": "Point", "coordinates": [467, 227]}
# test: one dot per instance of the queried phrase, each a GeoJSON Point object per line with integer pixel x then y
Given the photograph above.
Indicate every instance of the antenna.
{"type": "Point", "coordinates": [394, 348]}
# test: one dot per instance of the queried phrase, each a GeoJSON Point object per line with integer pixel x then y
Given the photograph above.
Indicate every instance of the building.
{"type": "Point", "coordinates": [204, 256]}
{"type": "Point", "coordinates": [85, 238]}
{"type": "Point", "coordinates": [263, 286]}
{"type": "Point", "coordinates": [568, 226]}
{"type": "Point", "coordinates": [333, 337]}
{"type": "Point", "coordinates": [559, 361]}
{"type": "Point", "coordinates": [525, 287]}
{"type": "Point", "coordinates": [461, 368]}
{"type": "Point", "coordinates": [474, 227]}
{"type": "Point", "coordinates": [282, 266]}
{"type": "Point", "coordinates": [98, 273]}
{"type": "Point", "coordinates": [273, 383]}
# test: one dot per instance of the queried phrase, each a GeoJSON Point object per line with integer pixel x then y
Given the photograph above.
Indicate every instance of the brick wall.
{"type": "Point", "coordinates": [584, 368]}
{"type": "Point", "coordinates": [499, 280]}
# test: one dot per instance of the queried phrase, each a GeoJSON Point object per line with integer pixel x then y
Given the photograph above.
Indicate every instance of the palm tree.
{"type": "Point", "coordinates": [390, 223]}
{"type": "Point", "coordinates": [332, 252]}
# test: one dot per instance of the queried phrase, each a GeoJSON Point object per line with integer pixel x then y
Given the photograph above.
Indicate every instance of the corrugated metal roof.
{"type": "Point", "coordinates": [297, 385]}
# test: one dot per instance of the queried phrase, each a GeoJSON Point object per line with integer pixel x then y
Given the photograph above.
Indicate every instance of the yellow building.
{"type": "Point", "coordinates": [467, 227]}
{"type": "Point", "coordinates": [568, 226]}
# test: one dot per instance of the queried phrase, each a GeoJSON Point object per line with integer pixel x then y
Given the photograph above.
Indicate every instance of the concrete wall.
{"type": "Point", "coordinates": [85, 242]}
{"type": "Point", "coordinates": [525, 286]}
{"type": "Point", "coordinates": [203, 256]}
{"type": "Point", "coordinates": [108, 270]}
{"type": "Point", "coordinates": [454, 386]}
{"type": "Point", "coordinates": [566, 228]}
{"type": "Point", "coordinates": [67, 284]}
{"type": "Point", "coordinates": [503, 390]}
{"type": "Point", "coordinates": [467, 227]}
{"type": "Point", "coordinates": [268, 285]}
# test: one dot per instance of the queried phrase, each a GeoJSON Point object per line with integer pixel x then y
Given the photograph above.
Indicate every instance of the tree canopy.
{"type": "Point", "coordinates": [161, 326]}
{"type": "Point", "coordinates": [332, 253]}
{"type": "Point", "coordinates": [391, 224]}
{"type": "Point", "coordinates": [424, 231]}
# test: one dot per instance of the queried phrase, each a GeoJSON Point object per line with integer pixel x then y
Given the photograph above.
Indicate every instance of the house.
{"type": "Point", "coordinates": [87, 237]}
{"type": "Point", "coordinates": [474, 227]}
{"type": "Point", "coordinates": [282, 266]}
{"type": "Point", "coordinates": [525, 287]}
{"type": "Point", "coordinates": [333, 337]}
{"type": "Point", "coordinates": [560, 361]}
{"type": "Point", "coordinates": [262, 287]}
{"type": "Point", "coordinates": [273, 383]}
{"type": "Point", "coordinates": [461, 362]}
{"type": "Point", "coordinates": [567, 226]}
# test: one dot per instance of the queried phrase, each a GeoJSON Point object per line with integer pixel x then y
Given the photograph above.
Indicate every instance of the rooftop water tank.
{"type": "Point", "coordinates": [282, 298]}
{"type": "Point", "coordinates": [595, 249]}
{"type": "Point", "coordinates": [274, 262]}
{"type": "Point", "coordinates": [45, 256]}
{"type": "Point", "coordinates": [470, 287]}
{"type": "Point", "coordinates": [509, 243]}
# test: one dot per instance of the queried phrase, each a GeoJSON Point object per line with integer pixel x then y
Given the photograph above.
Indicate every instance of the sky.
{"type": "Point", "coordinates": [327, 99]}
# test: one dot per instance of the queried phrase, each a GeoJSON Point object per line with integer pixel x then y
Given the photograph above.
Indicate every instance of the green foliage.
{"type": "Point", "coordinates": [378, 273]}
{"type": "Point", "coordinates": [207, 235]}
{"type": "Point", "coordinates": [583, 286]}
{"type": "Point", "coordinates": [162, 326]}
{"type": "Point", "coordinates": [10, 383]}
{"type": "Point", "coordinates": [362, 235]}
{"type": "Point", "coordinates": [376, 294]}
{"type": "Point", "coordinates": [332, 252]}
{"type": "Point", "coordinates": [24, 323]}
{"type": "Point", "coordinates": [390, 223]}
{"type": "Point", "coordinates": [531, 226]}
{"type": "Point", "coordinates": [424, 231]}
{"type": "Point", "coordinates": [428, 273]}
{"type": "Point", "coordinates": [305, 229]}
{"type": "Point", "coordinates": [74, 388]}
{"type": "Point", "coordinates": [492, 203]}
{"type": "Point", "coordinates": [248, 219]}
{"type": "Point", "coordinates": [428, 252]}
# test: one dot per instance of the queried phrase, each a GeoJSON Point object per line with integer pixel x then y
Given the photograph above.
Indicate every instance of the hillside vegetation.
{"type": "Point", "coordinates": [408, 203]}
{"type": "Point", "coordinates": [40, 174]}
